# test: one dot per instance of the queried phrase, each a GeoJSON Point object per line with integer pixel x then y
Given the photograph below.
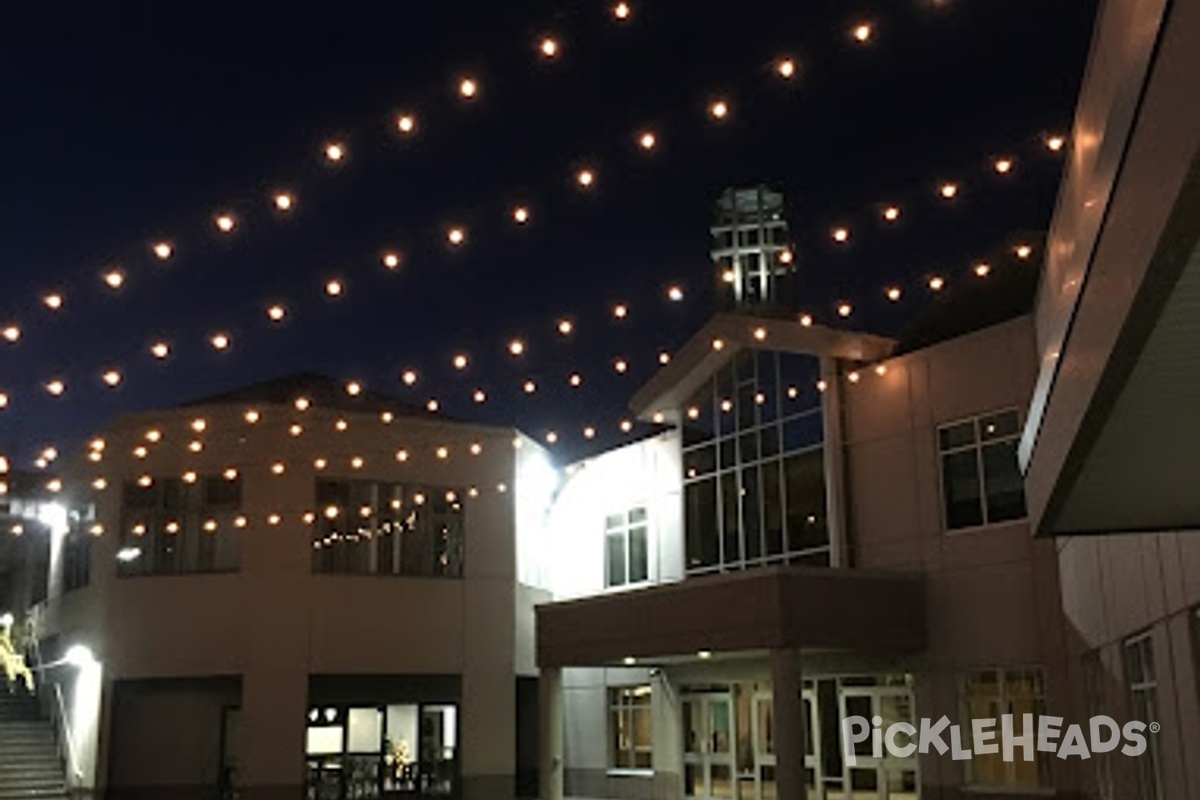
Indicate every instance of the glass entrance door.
{"type": "Point", "coordinates": [887, 777]}
{"type": "Point", "coordinates": [708, 737]}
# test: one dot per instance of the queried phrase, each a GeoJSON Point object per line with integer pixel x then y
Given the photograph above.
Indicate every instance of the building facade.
{"type": "Point", "coordinates": [296, 592]}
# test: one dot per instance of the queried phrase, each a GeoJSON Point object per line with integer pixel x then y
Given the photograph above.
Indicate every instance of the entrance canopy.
{"type": "Point", "coordinates": [768, 608]}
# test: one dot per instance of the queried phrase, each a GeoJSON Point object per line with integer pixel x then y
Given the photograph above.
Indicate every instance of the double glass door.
{"type": "Point", "coordinates": [878, 778]}
{"type": "Point", "coordinates": [708, 736]}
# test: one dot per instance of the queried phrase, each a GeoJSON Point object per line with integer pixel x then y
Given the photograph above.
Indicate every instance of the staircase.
{"type": "Point", "coordinates": [30, 766]}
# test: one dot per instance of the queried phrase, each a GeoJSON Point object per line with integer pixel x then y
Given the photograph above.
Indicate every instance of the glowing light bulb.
{"type": "Point", "coordinates": [551, 437]}
{"type": "Point", "coordinates": [56, 387]}
{"type": "Point", "coordinates": [516, 347]}
{"type": "Point", "coordinates": [786, 68]}
{"type": "Point", "coordinates": [718, 344]}
{"type": "Point", "coordinates": [647, 140]}
{"type": "Point", "coordinates": [479, 396]}
{"type": "Point", "coordinates": [822, 385]}
{"type": "Point", "coordinates": [575, 380]}
{"type": "Point", "coordinates": [199, 425]}
{"type": "Point", "coordinates": [786, 256]}
{"type": "Point", "coordinates": [675, 294]}
{"type": "Point", "coordinates": [11, 333]}
{"type": "Point", "coordinates": [936, 283]}
{"type": "Point", "coordinates": [387, 417]}
{"type": "Point", "coordinates": [111, 377]}
{"type": "Point", "coordinates": [853, 377]}
{"type": "Point", "coordinates": [589, 432]}
{"type": "Point", "coordinates": [460, 361]}
{"type": "Point", "coordinates": [626, 426]}
{"type": "Point", "coordinates": [806, 320]}
{"type": "Point", "coordinates": [948, 190]}
{"type": "Point", "coordinates": [163, 250]}
{"type": "Point", "coordinates": [729, 276]}
{"type": "Point", "coordinates": [719, 110]}
{"type": "Point", "coordinates": [341, 425]}
{"type": "Point", "coordinates": [334, 288]}
{"type": "Point", "coordinates": [456, 236]}
{"type": "Point", "coordinates": [220, 341]}
{"type": "Point", "coordinates": [844, 309]}
{"type": "Point", "coordinates": [145, 481]}
{"type": "Point", "coordinates": [278, 468]}
{"type": "Point", "coordinates": [160, 350]}
{"type": "Point", "coordinates": [284, 201]}
{"type": "Point", "coordinates": [114, 278]}
{"type": "Point", "coordinates": [585, 178]}
{"type": "Point", "coordinates": [891, 213]}
{"type": "Point", "coordinates": [548, 47]}
{"type": "Point", "coordinates": [664, 358]}
{"type": "Point", "coordinates": [693, 412]}
{"type": "Point", "coordinates": [1023, 251]}
{"type": "Point", "coordinates": [881, 369]}
{"type": "Point", "coordinates": [432, 406]}
{"type": "Point", "coordinates": [100, 484]}
{"type": "Point", "coordinates": [3, 401]}
{"type": "Point", "coordinates": [621, 366]}
{"type": "Point", "coordinates": [354, 388]}
{"type": "Point", "coordinates": [320, 463]}
{"type": "Point", "coordinates": [760, 334]}
{"type": "Point", "coordinates": [52, 301]}
{"type": "Point", "coordinates": [406, 123]}
{"type": "Point", "coordinates": [622, 11]}
{"type": "Point", "coordinates": [276, 313]}
{"type": "Point", "coordinates": [442, 452]}
{"type": "Point", "coordinates": [982, 270]}
{"type": "Point", "coordinates": [274, 519]}
{"type": "Point", "coordinates": [225, 223]}
{"type": "Point", "coordinates": [520, 215]}
{"type": "Point", "coordinates": [1055, 143]}
{"type": "Point", "coordinates": [565, 327]}
{"type": "Point", "coordinates": [302, 404]}
{"type": "Point", "coordinates": [251, 416]}
{"type": "Point", "coordinates": [841, 235]}
{"type": "Point", "coordinates": [1003, 166]}
{"type": "Point", "coordinates": [409, 377]}
{"type": "Point", "coordinates": [862, 32]}
{"type": "Point", "coordinates": [893, 293]}
{"type": "Point", "coordinates": [530, 387]}
{"type": "Point", "coordinates": [476, 448]}
{"type": "Point", "coordinates": [402, 455]}
{"type": "Point", "coordinates": [468, 88]}
{"type": "Point", "coordinates": [357, 462]}
{"type": "Point", "coordinates": [335, 151]}
{"type": "Point", "coordinates": [195, 446]}
{"type": "Point", "coordinates": [620, 311]}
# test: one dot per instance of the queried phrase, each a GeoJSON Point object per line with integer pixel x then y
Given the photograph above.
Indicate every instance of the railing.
{"type": "Point", "coordinates": [58, 715]}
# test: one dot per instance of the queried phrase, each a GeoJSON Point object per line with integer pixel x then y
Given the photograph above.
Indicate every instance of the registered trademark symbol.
{"type": "Point", "coordinates": [1155, 727]}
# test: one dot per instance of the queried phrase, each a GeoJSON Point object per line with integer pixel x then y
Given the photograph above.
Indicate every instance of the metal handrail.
{"type": "Point", "coordinates": [59, 712]}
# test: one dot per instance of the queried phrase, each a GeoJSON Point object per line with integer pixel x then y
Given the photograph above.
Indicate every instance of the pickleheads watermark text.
{"type": "Point", "coordinates": [903, 739]}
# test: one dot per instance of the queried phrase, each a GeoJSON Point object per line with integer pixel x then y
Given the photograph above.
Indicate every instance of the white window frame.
{"type": "Point", "coordinates": [977, 446]}
{"type": "Point", "coordinates": [624, 530]}
{"type": "Point", "coordinates": [618, 702]}
{"type": "Point", "coordinates": [1148, 685]}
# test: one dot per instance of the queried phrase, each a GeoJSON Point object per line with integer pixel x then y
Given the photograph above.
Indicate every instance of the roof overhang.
{"type": "Point", "coordinates": [1110, 441]}
{"type": "Point", "coordinates": [801, 607]}
{"type": "Point", "coordinates": [700, 358]}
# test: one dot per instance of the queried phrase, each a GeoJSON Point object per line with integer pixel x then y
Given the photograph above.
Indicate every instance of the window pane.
{"type": "Point", "coordinates": [699, 461]}
{"type": "Point", "coordinates": [614, 521]}
{"type": "Point", "coordinates": [998, 425]}
{"type": "Point", "coordinates": [639, 562]}
{"type": "Point", "coordinates": [751, 512]}
{"type": "Point", "coordinates": [957, 435]}
{"type": "Point", "coordinates": [701, 522]}
{"type": "Point", "coordinates": [804, 487]}
{"type": "Point", "coordinates": [772, 508]}
{"type": "Point", "coordinates": [615, 558]}
{"type": "Point", "coordinates": [960, 483]}
{"type": "Point", "coordinates": [637, 515]}
{"type": "Point", "coordinates": [730, 519]}
{"type": "Point", "coordinates": [1002, 479]}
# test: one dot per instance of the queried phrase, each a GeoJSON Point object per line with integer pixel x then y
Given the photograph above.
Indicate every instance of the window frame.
{"type": "Point", "coordinates": [625, 530]}
{"type": "Point", "coordinates": [623, 700]}
{"type": "Point", "coordinates": [977, 446]}
{"type": "Point", "coordinates": [1133, 689]}
{"type": "Point", "coordinates": [1043, 761]}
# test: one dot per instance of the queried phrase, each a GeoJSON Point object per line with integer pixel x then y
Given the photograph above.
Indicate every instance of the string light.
{"type": "Point", "coordinates": [549, 47]}
{"type": "Point", "coordinates": [516, 347]}
{"type": "Point", "coordinates": [893, 293]}
{"type": "Point", "coordinates": [626, 426]}
{"type": "Point", "coordinates": [589, 432]}
{"type": "Point", "coordinates": [456, 236]}
{"type": "Point", "coordinates": [718, 344]}
{"type": "Point", "coordinates": [675, 294]}
{"type": "Point", "coordinates": [468, 88]}
{"type": "Point", "coordinates": [664, 358]}
{"type": "Point", "coordinates": [806, 320]}
{"type": "Point", "coordinates": [621, 366]}
{"type": "Point", "coordinates": [335, 152]}
{"type": "Point", "coordinates": [251, 416]}
{"type": "Point", "coordinates": [52, 301]}
{"type": "Point", "coordinates": [620, 311]}
{"type": "Point", "coordinates": [220, 341]}
{"type": "Point", "coordinates": [760, 334]}
{"type": "Point", "coordinates": [225, 223]}
{"type": "Point", "coordinates": [432, 406]}
{"type": "Point", "coordinates": [862, 32]}
{"type": "Point", "coordinates": [11, 333]}
{"type": "Point", "coordinates": [1055, 143]}
{"type": "Point", "coordinates": [786, 68]}
{"type": "Point", "coordinates": [881, 369]}
{"type": "Point", "coordinates": [406, 123]}
{"type": "Point", "coordinates": [114, 279]}
{"type": "Point", "coordinates": [575, 380]}
{"type": "Point", "coordinates": [1003, 166]}
{"type": "Point", "coordinates": [565, 327]}
{"type": "Point", "coordinates": [284, 201]}
{"type": "Point", "coordinates": [460, 361]}
{"type": "Point", "coordinates": [276, 313]}
{"type": "Point", "coordinates": [160, 350]}
{"type": "Point", "coordinates": [1023, 251]}
{"type": "Point", "coordinates": [622, 11]}
{"type": "Point", "coordinates": [585, 178]}
{"type": "Point", "coordinates": [56, 387]}
{"type": "Point", "coordinates": [647, 140]}
{"type": "Point", "coordinates": [841, 235]}
{"type": "Point", "coordinates": [354, 388]}
{"type": "Point", "coordinates": [982, 270]}
{"type": "Point", "coordinates": [479, 396]}
{"type": "Point", "coordinates": [844, 309]}
{"type": "Point", "coordinates": [163, 250]}
{"type": "Point", "coordinates": [891, 213]}
{"type": "Point", "coordinates": [718, 109]}
{"type": "Point", "coordinates": [111, 377]}
{"type": "Point", "coordinates": [948, 190]}
{"type": "Point", "coordinates": [334, 288]}
{"type": "Point", "coordinates": [520, 215]}
{"type": "Point", "coordinates": [853, 377]}
{"type": "Point", "coordinates": [936, 283]}
{"type": "Point", "coordinates": [409, 377]}
{"type": "Point", "coordinates": [530, 387]}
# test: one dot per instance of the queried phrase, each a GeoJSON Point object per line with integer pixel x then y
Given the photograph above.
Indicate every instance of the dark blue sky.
{"type": "Point", "coordinates": [128, 122]}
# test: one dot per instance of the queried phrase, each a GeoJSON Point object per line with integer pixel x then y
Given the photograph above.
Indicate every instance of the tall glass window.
{"type": "Point", "coordinates": [626, 547]}
{"type": "Point", "coordinates": [754, 481]}
{"type": "Point", "coordinates": [981, 482]}
{"type": "Point", "coordinates": [1142, 680]}
{"type": "Point", "coordinates": [376, 528]}
{"type": "Point", "coordinates": [180, 525]}
{"type": "Point", "coordinates": [989, 694]}
{"type": "Point", "coordinates": [630, 728]}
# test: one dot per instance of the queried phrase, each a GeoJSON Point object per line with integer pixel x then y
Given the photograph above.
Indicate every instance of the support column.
{"type": "Point", "coordinates": [789, 724]}
{"type": "Point", "coordinates": [550, 734]}
{"type": "Point", "coordinates": [834, 463]}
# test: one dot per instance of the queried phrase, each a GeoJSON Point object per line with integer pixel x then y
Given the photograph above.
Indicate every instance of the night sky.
{"type": "Point", "coordinates": [129, 123]}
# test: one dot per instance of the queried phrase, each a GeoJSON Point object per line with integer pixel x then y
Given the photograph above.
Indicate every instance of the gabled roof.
{"type": "Point", "coordinates": [699, 359]}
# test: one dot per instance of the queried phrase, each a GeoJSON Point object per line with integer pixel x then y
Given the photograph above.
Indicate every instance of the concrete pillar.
{"type": "Point", "coordinates": [550, 734]}
{"type": "Point", "coordinates": [789, 724]}
{"type": "Point", "coordinates": [834, 463]}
